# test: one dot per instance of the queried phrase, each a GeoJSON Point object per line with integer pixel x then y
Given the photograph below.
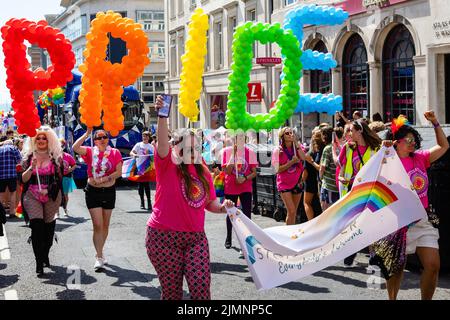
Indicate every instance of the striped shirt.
{"type": "Point", "coordinates": [329, 175]}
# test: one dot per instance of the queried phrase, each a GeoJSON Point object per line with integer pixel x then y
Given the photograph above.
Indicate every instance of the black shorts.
{"type": "Point", "coordinates": [11, 184]}
{"type": "Point", "coordinates": [104, 198]}
{"type": "Point", "coordinates": [295, 190]}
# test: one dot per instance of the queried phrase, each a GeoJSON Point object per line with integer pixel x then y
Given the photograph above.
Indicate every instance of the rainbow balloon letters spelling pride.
{"type": "Point", "coordinates": [313, 60]}
{"type": "Point", "coordinates": [193, 61]}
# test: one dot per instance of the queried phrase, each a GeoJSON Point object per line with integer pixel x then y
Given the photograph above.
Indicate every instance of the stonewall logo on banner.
{"type": "Point", "coordinates": [381, 201]}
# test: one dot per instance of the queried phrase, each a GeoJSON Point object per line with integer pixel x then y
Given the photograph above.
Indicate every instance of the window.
{"type": "Point", "coordinates": [172, 9]}
{"type": "Point", "coordinates": [218, 45]}
{"type": "Point", "coordinates": [193, 3]}
{"type": "Point", "coordinates": [76, 28]}
{"type": "Point", "coordinates": [79, 55]}
{"type": "Point", "coordinates": [320, 80]}
{"type": "Point", "coordinates": [151, 87]}
{"type": "Point", "coordinates": [251, 16]}
{"type": "Point", "coordinates": [173, 55]}
{"type": "Point", "coordinates": [151, 20]}
{"type": "Point", "coordinates": [180, 7]}
{"type": "Point", "coordinates": [157, 50]}
{"type": "Point", "coordinates": [289, 2]}
{"type": "Point", "coordinates": [208, 57]}
{"type": "Point", "coordinates": [399, 74]}
{"type": "Point", "coordinates": [232, 23]}
{"type": "Point", "coordinates": [356, 77]}
{"type": "Point", "coordinates": [180, 49]}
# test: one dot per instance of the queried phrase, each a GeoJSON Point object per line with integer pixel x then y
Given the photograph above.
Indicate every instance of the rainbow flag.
{"type": "Point", "coordinates": [219, 184]}
{"type": "Point", "coordinates": [382, 201]}
{"type": "Point", "coordinates": [128, 168]}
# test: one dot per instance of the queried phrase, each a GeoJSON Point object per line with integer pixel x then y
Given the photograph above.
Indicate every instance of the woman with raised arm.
{"type": "Point", "coordinates": [422, 236]}
{"type": "Point", "coordinates": [104, 167]}
{"type": "Point", "coordinates": [176, 241]}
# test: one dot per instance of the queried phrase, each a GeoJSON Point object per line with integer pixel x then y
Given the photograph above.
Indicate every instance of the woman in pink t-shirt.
{"type": "Point", "coordinates": [104, 167]}
{"type": "Point", "coordinates": [176, 241]}
{"type": "Point", "coordinates": [239, 164]}
{"type": "Point", "coordinates": [421, 237]}
{"type": "Point", "coordinates": [286, 160]}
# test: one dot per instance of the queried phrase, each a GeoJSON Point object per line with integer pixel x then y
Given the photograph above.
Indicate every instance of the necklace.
{"type": "Point", "coordinates": [95, 159]}
{"type": "Point", "coordinates": [41, 152]}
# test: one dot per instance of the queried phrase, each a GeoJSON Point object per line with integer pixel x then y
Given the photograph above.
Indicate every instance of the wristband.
{"type": "Point", "coordinates": [436, 125]}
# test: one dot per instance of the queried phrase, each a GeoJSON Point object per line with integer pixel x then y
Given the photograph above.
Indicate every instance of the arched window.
{"type": "Point", "coordinates": [398, 74]}
{"type": "Point", "coordinates": [320, 80]}
{"type": "Point", "coordinates": [355, 76]}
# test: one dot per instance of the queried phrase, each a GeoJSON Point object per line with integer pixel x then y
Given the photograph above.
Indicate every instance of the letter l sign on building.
{"type": "Point", "coordinates": [254, 92]}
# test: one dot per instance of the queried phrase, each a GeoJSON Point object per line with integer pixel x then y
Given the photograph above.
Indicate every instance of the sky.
{"type": "Point", "coordinates": [30, 9]}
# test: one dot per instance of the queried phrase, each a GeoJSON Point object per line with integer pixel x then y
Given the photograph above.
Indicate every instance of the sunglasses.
{"type": "Point", "coordinates": [409, 140]}
{"type": "Point", "coordinates": [289, 133]}
{"type": "Point", "coordinates": [41, 138]}
{"type": "Point", "coordinates": [101, 138]}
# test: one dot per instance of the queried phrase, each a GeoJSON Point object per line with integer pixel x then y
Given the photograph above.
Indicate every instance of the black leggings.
{"type": "Point", "coordinates": [144, 186]}
{"type": "Point", "coordinates": [246, 202]}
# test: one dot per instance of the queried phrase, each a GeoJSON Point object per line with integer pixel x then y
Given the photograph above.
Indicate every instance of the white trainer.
{"type": "Point", "coordinates": [99, 263]}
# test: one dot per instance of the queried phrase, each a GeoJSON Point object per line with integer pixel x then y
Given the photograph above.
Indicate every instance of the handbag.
{"type": "Point", "coordinates": [54, 187]}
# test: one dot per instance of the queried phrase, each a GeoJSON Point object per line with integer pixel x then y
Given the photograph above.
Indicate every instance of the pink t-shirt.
{"type": "Point", "coordinates": [286, 180]}
{"type": "Point", "coordinates": [356, 159]}
{"type": "Point", "coordinates": [174, 209]}
{"type": "Point", "coordinates": [68, 161]}
{"type": "Point", "coordinates": [416, 167]}
{"type": "Point", "coordinates": [114, 158]}
{"type": "Point", "coordinates": [245, 163]}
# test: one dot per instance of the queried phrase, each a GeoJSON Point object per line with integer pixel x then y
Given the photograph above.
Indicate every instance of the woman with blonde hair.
{"type": "Point", "coordinates": [287, 161]}
{"type": "Point", "coordinates": [41, 197]}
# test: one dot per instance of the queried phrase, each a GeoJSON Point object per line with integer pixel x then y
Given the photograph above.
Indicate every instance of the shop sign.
{"type": "Point", "coordinates": [442, 29]}
{"type": "Point", "coordinates": [369, 3]}
{"type": "Point", "coordinates": [254, 92]}
{"type": "Point", "coordinates": [268, 61]}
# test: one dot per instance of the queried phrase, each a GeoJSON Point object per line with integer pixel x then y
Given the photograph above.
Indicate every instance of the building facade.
{"type": "Point", "coordinates": [74, 23]}
{"type": "Point", "coordinates": [393, 57]}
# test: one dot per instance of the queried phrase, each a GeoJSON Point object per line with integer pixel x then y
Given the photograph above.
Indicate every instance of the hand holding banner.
{"type": "Point", "coordinates": [381, 201]}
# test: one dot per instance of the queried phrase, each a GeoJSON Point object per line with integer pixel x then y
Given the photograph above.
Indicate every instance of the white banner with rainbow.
{"type": "Point", "coordinates": [381, 201]}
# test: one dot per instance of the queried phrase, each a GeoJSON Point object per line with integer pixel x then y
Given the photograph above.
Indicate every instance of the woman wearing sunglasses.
{"type": "Point", "coordinates": [42, 172]}
{"type": "Point", "coordinates": [176, 241]}
{"type": "Point", "coordinates": [287, 161]}
{"type": "Point", "coordinates": [422, 236]}
{"type": "Point", "coordinates": [104, 167]}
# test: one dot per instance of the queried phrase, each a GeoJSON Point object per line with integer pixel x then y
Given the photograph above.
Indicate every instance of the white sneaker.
{"type": "Point", "coordinates": [99, 263]}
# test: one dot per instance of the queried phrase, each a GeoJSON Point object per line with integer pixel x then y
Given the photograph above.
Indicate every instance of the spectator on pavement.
{"type": "Point", "coordinates": [9, 159]}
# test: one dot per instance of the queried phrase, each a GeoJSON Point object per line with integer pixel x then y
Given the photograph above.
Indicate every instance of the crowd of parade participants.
{"type": "Point", "coordinates": [36, 178]}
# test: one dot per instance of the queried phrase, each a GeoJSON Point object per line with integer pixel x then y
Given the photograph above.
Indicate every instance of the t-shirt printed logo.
{"type": "Point", "coordinates": [241, 165]}
{"type": "Point", "coordinates": [197, 197]}
{"type": "Point", "coordinates": [420, 181]}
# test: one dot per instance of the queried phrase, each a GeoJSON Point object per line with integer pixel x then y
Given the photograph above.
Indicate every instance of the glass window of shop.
{"type": "Point", "coordinates": [320, 80]}
{"type": "Point", "coordinates": [356, 77]}
{"type": "Point", "coordinates": [152, 20]}
{"type": "Point", "coordinates": [398, 74]}
{"type": "Point", "coordinates": [218, 105]}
